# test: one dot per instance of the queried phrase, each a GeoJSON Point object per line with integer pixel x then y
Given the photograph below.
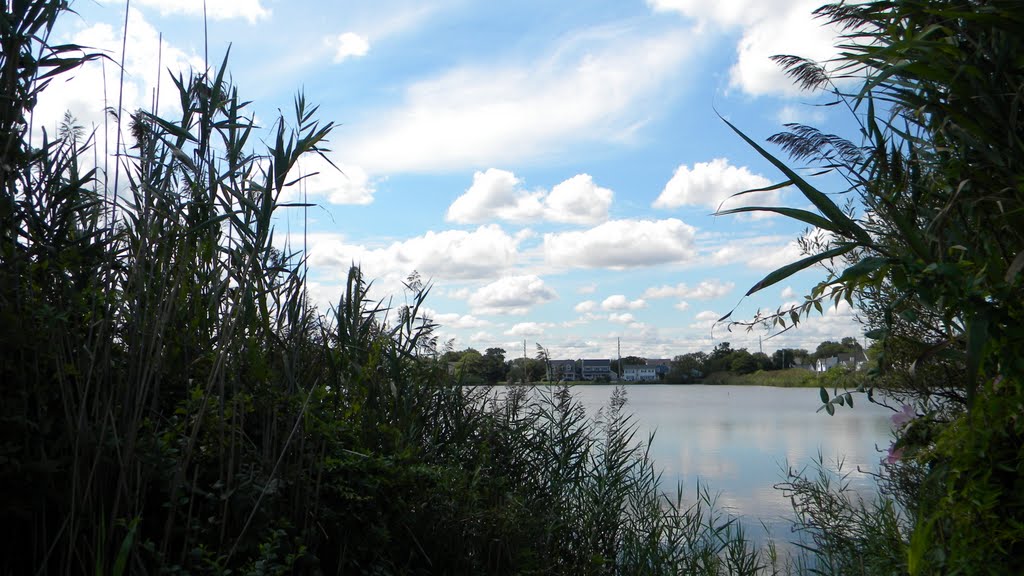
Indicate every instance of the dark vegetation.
{"type": "Point", "coordinates": [934, 262]}
{"type": "Point", "coordinates": [170, 403]}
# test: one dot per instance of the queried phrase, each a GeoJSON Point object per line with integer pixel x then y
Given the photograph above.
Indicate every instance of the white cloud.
{"type": "Point", "coordinates": [578, 200]}
{"type": "Point", "coordinates": [450, 254]}
{"type": "Point", "coordinates": [624, 318]}
{"type": "Point", "coordinates": [586, 306]}
{"type": "Point", "coordinates": [511, 295]}
{"type": "Point", "coordinates": [712, 184]}
{"type": "Point", "coordinates": [764, 253]}
{"type": "Point", "coordinates": [348, 45]}
{"type": "Point", "coordinates": [529, 329]}
{"type": "Point", "coordinates": [788, 293]}
{"type": "Point", "coordinates": [251, 10]}
{"type": "Point", "coordinates": [339, 184]}
{"type": "Point", "coordinates": [499, 194]}
{"type": "Point", "coordinates": [592, 87]}
{"type": "Point", "coordinates": [620, 244]}
{"type": "Point", "coordinates": [587, 288]}
{"type": "Point", "coordinates": [82, 92]}
{"type": "Point", "coordinates": [495, 194]}
{"type": "Point", "coordinates": [705, 290]}
{"type": "Point", "coordinates": [705, 320]}
{"type": "Point", "coordinates": [452, 320]}
{"type": "Point", "coordinates": [682, 306]}
{"type": "Point", "coordinates": [769, 27]}
{"type": "Point", "coordinates": [792, 114]}
{"type": "Point", "coordinates": [620, 302]}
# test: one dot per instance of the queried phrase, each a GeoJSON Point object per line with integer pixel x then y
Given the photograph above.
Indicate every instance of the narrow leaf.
{"type": "Point", "coordinates": [790, 269]}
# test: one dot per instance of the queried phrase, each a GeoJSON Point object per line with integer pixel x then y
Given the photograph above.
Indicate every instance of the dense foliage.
{"type": "Point", "coordinates": [935, 260]}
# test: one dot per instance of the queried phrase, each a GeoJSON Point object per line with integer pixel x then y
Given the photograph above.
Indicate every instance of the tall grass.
{"type": "Point", "coordinates": [171, 403]}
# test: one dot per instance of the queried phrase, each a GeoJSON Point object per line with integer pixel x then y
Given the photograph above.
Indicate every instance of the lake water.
{"type": "Point", "coordinates": [738, 440]}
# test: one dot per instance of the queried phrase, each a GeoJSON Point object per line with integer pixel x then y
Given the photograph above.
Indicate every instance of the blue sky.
{"type": "Point", "coordinates": [551, 167]}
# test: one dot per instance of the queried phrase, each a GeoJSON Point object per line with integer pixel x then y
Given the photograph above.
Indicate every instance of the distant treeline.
{"type": "Point", "coordinates": [492, 367]}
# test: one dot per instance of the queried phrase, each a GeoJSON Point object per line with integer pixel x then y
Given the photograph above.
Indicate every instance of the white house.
{"type": "Point", "coordinates": [639, 373]}
{"type": "Point", "coordinates": [851, 361]}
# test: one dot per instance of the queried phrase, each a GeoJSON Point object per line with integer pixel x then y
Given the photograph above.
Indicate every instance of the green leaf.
{"type": "Point", "coordinates": [863, 268]}
{"type": "Point", "coordinates": [977, 337]}
{"type": "Point", "coordinates": [830, 409]}
{"type": "Point", "coordinates": [877, 333]}
{"type": "Point", "coordinates": [794, 213]}
{"type": "Point", "coordinates": [790, 269]}
{"type": "Point", "coordinates": [824, 395]}
{"type": "Point", "coordinates": [839, 220]}
{"type": "Point", "coordinates": [849, 399]}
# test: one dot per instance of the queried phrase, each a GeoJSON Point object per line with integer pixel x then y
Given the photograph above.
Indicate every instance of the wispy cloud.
{"type": "Point", "coordinates": [591, 87]}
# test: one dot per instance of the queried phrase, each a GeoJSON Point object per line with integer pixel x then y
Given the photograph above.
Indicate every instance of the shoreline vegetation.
{"type": "Point", "coordinates": [788, 378]}
{"type": "Point", "coordinates": [173, 405]}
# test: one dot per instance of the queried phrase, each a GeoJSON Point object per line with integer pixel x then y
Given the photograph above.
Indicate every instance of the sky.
{"type": "Point", "coordinates": [551, 168]}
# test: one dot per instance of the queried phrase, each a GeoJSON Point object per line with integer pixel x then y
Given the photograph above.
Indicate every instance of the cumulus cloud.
{"type": "Point", "coordinates": [682, 306]}
{"type": "Point", "coordinates": [712, 185]}
{"type": "Point", "coordinates": [348, 45]}
{"type": "Point", "coordinates": [529, 329]}
{"type": "Point", "coordinates": [81, 93]}
{"type": "Point", "coordinates": [705, 290]}
{"type": "Point", "coordinates": [623, 318]}
{"type": "Point", "coordinates": [251, 10]}
{"type": "Point", "coordinates": [788, 293]}
{"type": "Point", "coordinates": [769, 27]}
{"type": "Point", "coordinates": [620, 302]}
{"type": "Point", "coordinates": [592, 87]}
{"type": "Point", "coordinates": [586, 306]}
{"type": "Point", "coordinates": [620, 244]}
{"type": "Point", "coordinates": [452, 320]}
{"type": "Point", "coordinates": [446, 255]}
{"type": "Point", "coordinates": [338, 184]}
{"type": "Point", "coordinates": [763, 253]}
{"type": "Point", "coordinates": [705, 320]}
{"type": "Point", "coordinates": [499, 194]}
{"type": "Point", "coordinates": [511, 295]}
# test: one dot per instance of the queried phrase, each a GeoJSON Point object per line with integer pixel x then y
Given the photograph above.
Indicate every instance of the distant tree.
{"type": "Point", "coordinates": [742, 361]}
{"type": "Point", "coordinates": [468, 368]}
{"type": "Point", "coordinates": [784, 358]}
{"type": "Point", "coordinates": [828, 349]}
{"type": "Point", "coordinates": [762, 360]}
{"type": "Point", "coordinates": [492, 366]}
{"type": "Point", "coordinates": [518, 370]}
{"type": "Point", "coordinates": [626, 361]}
{"type": "Point", "coordinates": [722, 350]}
{"type": "Point", "coordinates": [685, 366]}
{"type": "Point", "coordinates": [721, 358]}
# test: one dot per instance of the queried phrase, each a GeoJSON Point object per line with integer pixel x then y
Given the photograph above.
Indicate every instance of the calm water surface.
{"type": "Point", "coordinates": [738, 440]}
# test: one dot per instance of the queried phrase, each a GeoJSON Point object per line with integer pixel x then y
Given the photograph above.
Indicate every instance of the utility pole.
{"type": "Point", "coordinates": [524, 360]}
{"type": "Point", "coordinates": [619, 348]}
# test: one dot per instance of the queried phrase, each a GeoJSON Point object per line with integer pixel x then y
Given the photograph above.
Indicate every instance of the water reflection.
{"type": "Point", "coordinates": [739, 440]}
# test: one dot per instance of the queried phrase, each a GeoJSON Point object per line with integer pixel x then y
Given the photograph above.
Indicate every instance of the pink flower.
{"type": "Point", "coordinates": [900, 418]}
{"type": "Point", "coordinates": [894, 454]}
